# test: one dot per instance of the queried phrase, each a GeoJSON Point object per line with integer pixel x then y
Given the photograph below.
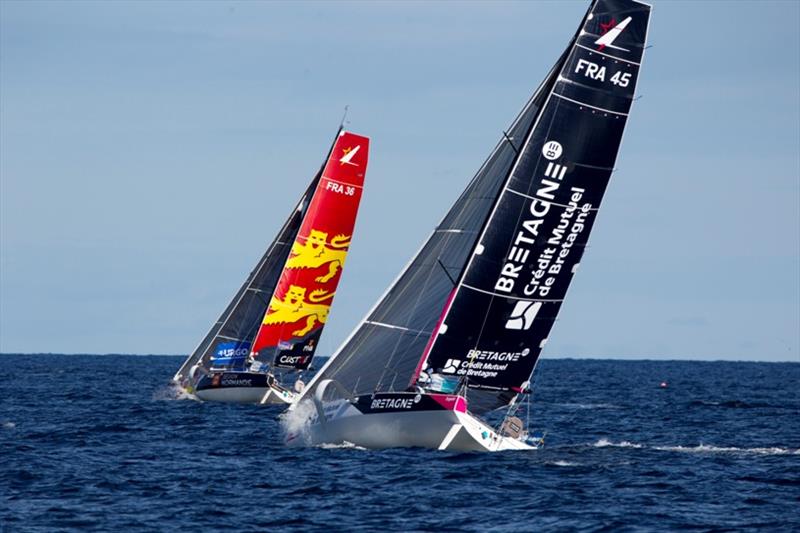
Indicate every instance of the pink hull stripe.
{"type": "Point", "coordinates": [451, 403]}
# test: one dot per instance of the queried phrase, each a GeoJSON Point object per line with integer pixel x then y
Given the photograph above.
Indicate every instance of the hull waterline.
{"type": "Point", "coordinates": [408, 419]}
{"type": "Point", "coordinates": [242, 387]}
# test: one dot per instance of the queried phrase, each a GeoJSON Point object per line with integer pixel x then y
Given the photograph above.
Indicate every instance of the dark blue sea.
{"type": "Point", "coordinates": [100, 443]}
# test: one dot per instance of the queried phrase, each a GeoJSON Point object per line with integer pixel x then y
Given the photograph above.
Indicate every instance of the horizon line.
{"type": "Point", "coordinates": [573, 357]}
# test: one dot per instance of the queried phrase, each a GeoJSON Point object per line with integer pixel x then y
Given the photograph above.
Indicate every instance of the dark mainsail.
{"type": "Point", "coordinates": [227, 344]}
{"type": "Point", "coordinates": [491, 277]}
{"type": "Point", "coordinates": [515, 281]}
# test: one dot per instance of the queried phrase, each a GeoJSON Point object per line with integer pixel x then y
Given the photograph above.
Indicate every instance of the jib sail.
{"type": "Point", "coordinates": [509, 295]}
{"type": "Point", "coordinates": [292, 324]}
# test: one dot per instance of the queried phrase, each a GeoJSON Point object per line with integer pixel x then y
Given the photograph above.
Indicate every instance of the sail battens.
{"type": "Point", "coordinates": [508, 296]}
{"type": "Point", "coordinates": [401, 328]}
{"type": "Point", "coordinates": [584, 104]}
{"type": "Point", "coordinates": [343, 183]}
{"type": "Point", "coordinates": [234, 339]}
{"type": "Point", "coordinates": [556, 204]}
{"type": "Point", "coordinates": [595, 167]}
{"type": "Point", "coordinates": [616, 58]}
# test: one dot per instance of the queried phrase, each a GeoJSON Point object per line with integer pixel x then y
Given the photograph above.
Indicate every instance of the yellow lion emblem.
{"type": "Point", "coordinates": [317, 251]}
{"type": "Point", "coordinates": [294, 307]}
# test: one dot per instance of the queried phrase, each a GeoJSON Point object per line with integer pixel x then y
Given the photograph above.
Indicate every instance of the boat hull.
{"type": "Point", "coordinates": [406, 419]}
{"type": "Point", "coordinates": [242, 387]}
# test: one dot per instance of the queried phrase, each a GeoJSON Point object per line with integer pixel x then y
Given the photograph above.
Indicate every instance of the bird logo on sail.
{"type": "Point", "coordinates": [349, 153]}
{"type": "Point", "coordinates": [610, 31]}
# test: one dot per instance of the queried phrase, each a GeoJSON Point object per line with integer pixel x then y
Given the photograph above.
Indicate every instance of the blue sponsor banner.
{"type": "Point", "coordinates": [231, 353]}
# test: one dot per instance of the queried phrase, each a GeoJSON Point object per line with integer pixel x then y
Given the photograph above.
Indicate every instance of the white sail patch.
{"type": "Point", "coordinates": [548, 265]}
{"type": "Point", "coordinates": [526, 236]}
{"type": "Point", "coordinates": [538, 274]}
{"type": "Point", "coordinates": [485, 364]}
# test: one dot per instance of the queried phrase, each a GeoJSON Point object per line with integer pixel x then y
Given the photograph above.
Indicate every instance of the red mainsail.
{"type": "Point", "coordinates": [299, 307]}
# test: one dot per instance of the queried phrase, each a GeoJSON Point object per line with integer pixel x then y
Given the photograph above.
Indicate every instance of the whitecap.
{"type": "Point", "coordinates": [344, 445]}
{"type": "Point", "coordinates": [589, 405]}
{"type": "Point", "coordinates": [9, 425]}
{"type": "Point", "coordinates": [296, 422]}
{"type": "Point", "coordinates": [707, 448]}
{"type": "Point", "coordinates": [173, 391]}
{"type": "Point", "coordinates": [563, 463]}
{"type": "Point", "coordinates": [604, 443]}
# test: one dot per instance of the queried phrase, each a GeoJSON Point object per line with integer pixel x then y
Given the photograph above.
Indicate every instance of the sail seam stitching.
{"type": "Point", "coordinates": [584, 104]}
{"type": "Point", "coordinates": [608, 55]}
{"type": "Point", "coordinates": [551, 203]}
{"type": "Point", "coordinates": [392, 326]}
{"type": "Point", "coordinates": [343, 182]}
{"type": "Point", "coordinates": [508, 295]}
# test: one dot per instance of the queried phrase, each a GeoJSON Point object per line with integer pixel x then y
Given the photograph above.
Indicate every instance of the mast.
{"type": "Point", "coordinates": [511, 290]}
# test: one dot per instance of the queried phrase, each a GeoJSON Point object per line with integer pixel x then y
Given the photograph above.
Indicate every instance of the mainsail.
{"type": "Point", "coordinates": [491, 278]}
{"type": "Point", "coordinates": [291, 328]}
{"type": "Point", "coordinates": [515, 281]}
{"type": "Point", "coordinates": [227, 343]}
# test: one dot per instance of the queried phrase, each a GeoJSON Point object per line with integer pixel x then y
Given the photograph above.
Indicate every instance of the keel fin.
{"type": "Point", "coordinates": [266, 396]}
{"type": "Point", "coordinates": [450, 436]}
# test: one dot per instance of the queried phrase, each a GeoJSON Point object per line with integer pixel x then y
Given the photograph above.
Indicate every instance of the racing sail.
{"type": "Point", "coordinates": [478, 300]}
{"type": "Point", "coordinates": [509, 295]}
{"type": "Point", "coordinates": [227, 343]}
{"type": "Point", "coordinates": [292, 325]}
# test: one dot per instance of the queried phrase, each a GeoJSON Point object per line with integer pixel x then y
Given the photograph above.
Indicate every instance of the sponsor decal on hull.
{"type": "Point", "coordinates": [392, 402]}
{"type": "Point", "coordinates": [223, 380]}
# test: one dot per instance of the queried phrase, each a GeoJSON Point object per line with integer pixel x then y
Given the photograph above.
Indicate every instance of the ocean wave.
{"type": "Point", "coordinates": [707, 448]}
{"type": "Point", "coordinates": [700, 448]}
{"type": "Point", "coordinates": [734, 404]}
{"type": "Point", "coordinates": [172, 391]}
{"type": "Point", "coordinates": [589, 405]}
{"type": "Point", "coordinates": [295, 423]}
{"type": "Point", "coordinates": [341, 446]}
{"type": "Point", "coordinates": [562, 463]}
{"type": "Point", "coordinates": [604, 443]}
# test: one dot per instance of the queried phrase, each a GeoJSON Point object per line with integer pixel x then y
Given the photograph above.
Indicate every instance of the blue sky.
{"type": "Point", "coordinates": [150, 151]}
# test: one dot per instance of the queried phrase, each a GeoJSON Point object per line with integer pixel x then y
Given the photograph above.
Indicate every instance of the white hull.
{"type": "Point", "coordinates": [252, 395]}
{"type": "Point", "coordinates": [453, 429]}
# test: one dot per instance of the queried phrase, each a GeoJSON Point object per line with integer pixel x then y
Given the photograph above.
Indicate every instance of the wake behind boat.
{"type": "Point", "coordinates": [456, 338]}
{"type": "Point", "coordinates": [270, 331]}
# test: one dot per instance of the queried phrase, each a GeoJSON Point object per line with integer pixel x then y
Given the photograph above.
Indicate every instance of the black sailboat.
{"type": "Point", "coordinates": [458, 334]}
